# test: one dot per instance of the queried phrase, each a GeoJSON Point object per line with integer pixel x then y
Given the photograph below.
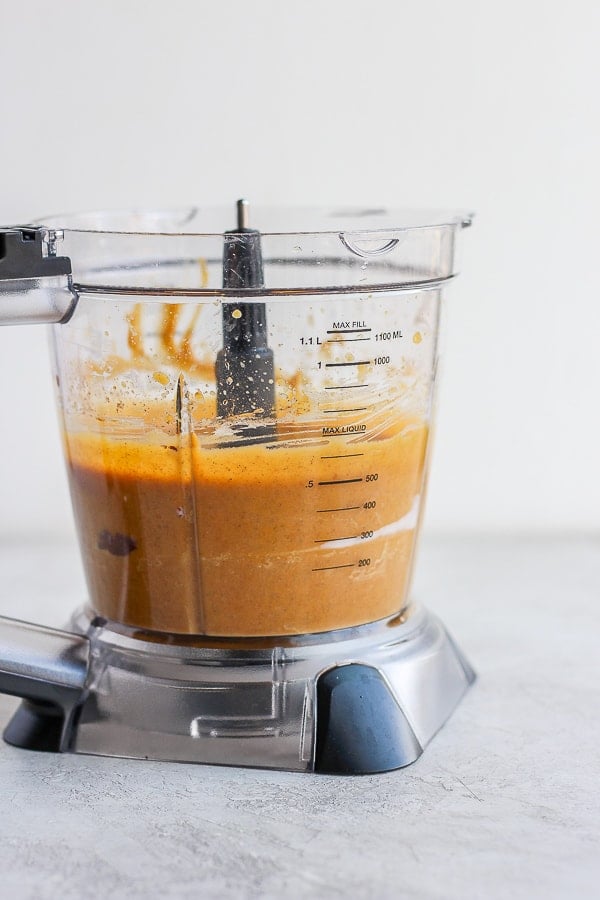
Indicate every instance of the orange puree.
{"type": "Point", "coordinates": [180, 535]}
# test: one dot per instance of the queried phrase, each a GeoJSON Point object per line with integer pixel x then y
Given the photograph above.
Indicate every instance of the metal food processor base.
{"type": "Point", "coordinates": [357, 701]}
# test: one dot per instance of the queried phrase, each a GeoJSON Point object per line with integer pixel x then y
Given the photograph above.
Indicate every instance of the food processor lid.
{"type": "Point", "coordinates": [217, 220]}
{"type": "Point", "coordinates": [179, 252]}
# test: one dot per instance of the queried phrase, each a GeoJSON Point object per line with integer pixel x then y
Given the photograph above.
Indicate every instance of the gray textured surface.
{"type": "Point", "coordinates": [505, 803]}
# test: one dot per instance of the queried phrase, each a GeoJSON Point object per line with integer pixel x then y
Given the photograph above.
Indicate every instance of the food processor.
{"type": "Point", "coordinates": [246, 404]}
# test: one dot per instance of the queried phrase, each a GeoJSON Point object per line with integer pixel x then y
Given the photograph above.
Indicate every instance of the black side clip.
{"type": "Point", "coordinates": [26, 253]}
{"type": "Point", "coordinates": [36, 285]}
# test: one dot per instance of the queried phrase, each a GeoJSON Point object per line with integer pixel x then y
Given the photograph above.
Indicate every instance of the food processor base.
{"type": "Point", "coordinates": [355, 701]}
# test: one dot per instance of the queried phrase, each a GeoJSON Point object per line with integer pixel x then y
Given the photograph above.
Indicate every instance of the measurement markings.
{"type": "Point", "coordinates": [347, 330]}
{"type": "Point", "coordinates": [340, 481]}
{"type": "Point", "coordinates": [339, 509]}
{"type": "Point", "coordinates": [353, 537]}
{"type": "Point", "coordinates": [327, 568]}
{"type": "Point", "coordinates": [345, 387]}
{"type": "Point", "coordinates": [344, 340]}
{"type": "Point", "coordinates": [354, 409]}
{"type": "Point", "coordinates": [342, 455]}
{"type": "Point", "coordinates": [360, 362]}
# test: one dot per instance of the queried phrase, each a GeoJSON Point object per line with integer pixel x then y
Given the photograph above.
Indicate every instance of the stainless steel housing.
{"type": "Point", "coordinates": [361, 700]}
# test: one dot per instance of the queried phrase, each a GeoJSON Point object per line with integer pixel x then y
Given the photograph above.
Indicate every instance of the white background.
{"type": "Point", "coordinates": [436, 104]}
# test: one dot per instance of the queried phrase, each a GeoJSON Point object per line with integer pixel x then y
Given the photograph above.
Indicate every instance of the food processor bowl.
{"type": "Point", "coordinates": [246, 416]}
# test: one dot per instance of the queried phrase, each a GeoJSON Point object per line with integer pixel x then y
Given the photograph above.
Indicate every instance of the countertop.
{"type": "Point", "coordinates": [504, 803]}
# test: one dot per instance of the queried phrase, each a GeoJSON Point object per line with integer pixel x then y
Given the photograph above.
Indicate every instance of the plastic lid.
{"type": "Point", "coordinates": [305, 251]}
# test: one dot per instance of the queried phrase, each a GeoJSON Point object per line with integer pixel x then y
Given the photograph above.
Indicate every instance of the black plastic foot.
{"type": "Point", "coordinates": [36, 726]}
{"type": "Point", "coordinates": [360, 726]}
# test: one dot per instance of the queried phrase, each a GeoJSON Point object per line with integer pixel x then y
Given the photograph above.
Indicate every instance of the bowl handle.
{"type": "Point", "coordinates": [48, 668]}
